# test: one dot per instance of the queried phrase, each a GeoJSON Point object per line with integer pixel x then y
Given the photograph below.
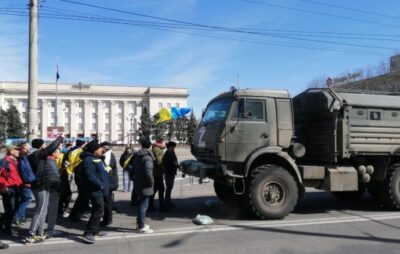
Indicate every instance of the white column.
{"type": "Point", "coordinates": [126, 122]}
{"type": "Point", "coordinates": [113, 121]}
{"type": "Point", "coordinates": [87, 118]}
{"type": "Point", "coordinates": [100, 120]}
{"type": "Point", "coordinates": [72, 119]}
{"type": "Point", "coordinates": [45, 117]}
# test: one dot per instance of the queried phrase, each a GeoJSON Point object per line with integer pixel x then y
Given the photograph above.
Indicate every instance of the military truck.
{"type": "Point", "coordinates": [263, 148]}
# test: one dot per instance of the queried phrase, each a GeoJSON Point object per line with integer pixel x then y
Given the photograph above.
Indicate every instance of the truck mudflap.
{"type": "Point", "coordinates": [198, 169]}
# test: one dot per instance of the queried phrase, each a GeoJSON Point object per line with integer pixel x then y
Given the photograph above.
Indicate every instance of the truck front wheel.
{"type": "Point", "coordinates": [272, 193]}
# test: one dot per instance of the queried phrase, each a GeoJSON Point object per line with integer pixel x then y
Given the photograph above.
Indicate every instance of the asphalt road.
{"type": "Point", "coordinates": [319, 224]}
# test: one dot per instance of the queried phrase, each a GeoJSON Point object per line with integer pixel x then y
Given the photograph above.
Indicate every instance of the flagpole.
{"type": "Point", "coordinates": [56, 109]}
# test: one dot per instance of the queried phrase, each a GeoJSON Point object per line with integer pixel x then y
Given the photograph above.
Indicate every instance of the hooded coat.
{"type": "Point", "coordinates": [144, 179]}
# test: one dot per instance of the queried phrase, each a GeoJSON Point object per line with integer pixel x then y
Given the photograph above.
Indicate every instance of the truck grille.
{"type": "Point", "coordinates": [202, 152]}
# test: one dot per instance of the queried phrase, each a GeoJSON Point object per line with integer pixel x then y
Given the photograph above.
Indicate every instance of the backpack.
{"type": "Point", "coordinates": [25, 170]}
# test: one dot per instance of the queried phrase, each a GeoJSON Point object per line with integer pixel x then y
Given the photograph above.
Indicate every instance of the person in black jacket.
{"type": "Point", "coordinates": [40, 187]}
{"type": "Point", "coordinates": [111, 167]}
{"type": "Point", "coordinates": [96, 184]}
{"type": "Point", "coordinates": [144, 181]}
{"type": "Point", "coordinates": [170, 163]}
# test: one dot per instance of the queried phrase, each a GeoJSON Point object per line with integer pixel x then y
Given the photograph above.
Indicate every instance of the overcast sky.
{"type": "Point", "coordinates": [271, 44]}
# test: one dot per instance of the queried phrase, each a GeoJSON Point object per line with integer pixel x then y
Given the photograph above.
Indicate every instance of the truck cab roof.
{"type": "Point", "coordinates": [254, 93]}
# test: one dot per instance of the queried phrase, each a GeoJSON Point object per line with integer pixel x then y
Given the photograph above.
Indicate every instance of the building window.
{"type": "Point", "coordinates": [94, 126]}
{"type": "Point", "coordinates": [52, 116]}
{"type": "Point", "coordinates": [169, 105]}
{"type": "Point", "coordinates": [66, 126]}
{"type": "Point", "coordinates": [177, 105]}
{"type": "Point", "coordinates": [80, 126]}
{"type": "Point", "coordinates": [107, 127]}
{"type": "Point", "coordinates": [107, 116]}
{"type": "Point", "coordinates": [94, 116]}
{"type": "Point", "coordinates": [119, 126]}
{"type": "Point", "coordinates": [120, 137]}
{"type": "Point", "coordinates": [107, 137]}
{"type": "Point", "coordinates": [52, 104]}
{"type": "Point", "coordinates": [160, 105]}
{"type": "Point", "coordinates": [66, 115]}
{"type": "Point", "coordinates": [24, 105]}
{"type": "Point", "coordinates": [80, 115]}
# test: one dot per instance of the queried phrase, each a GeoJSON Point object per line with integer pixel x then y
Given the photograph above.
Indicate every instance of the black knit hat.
{"type": "Point", "coordinates": [171, 144]}
{"type": "Point", "coordinates": [92, 146]}
{"type": "Point", "coordinates": [37, 143]}
{"type": "Point", "coordinates": [80, 142]}
{"type": "Point", "coordinates": [145, 143]}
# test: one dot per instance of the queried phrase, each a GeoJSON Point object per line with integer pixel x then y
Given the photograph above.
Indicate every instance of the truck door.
{"type": "Point", "coordinates": [246, 129]}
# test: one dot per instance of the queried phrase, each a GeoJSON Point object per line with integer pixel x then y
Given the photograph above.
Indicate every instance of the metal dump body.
{"type": "Point", "coordinates": [334, 125]}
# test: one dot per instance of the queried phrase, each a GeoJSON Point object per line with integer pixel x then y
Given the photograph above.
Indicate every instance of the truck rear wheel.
{"type": "Point", "coordinates": [389, 193]}
{"type": "Point", "coordinates": [226, 194]}
{"type": "Point", "coordinates": [272, 193]}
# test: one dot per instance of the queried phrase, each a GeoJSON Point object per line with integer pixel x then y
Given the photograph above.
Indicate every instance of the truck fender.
{"type": "Point", "coordinates": [274, 150]}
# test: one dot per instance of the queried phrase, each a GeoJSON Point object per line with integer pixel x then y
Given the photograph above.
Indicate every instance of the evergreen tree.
{"type": "Point", "coordinates": [180, 130]}
{"type": "Point", "coordinates": [158, 130]}
{"type": "Point", "coordinates": [145, 124]}
{"type": "Point", "coordinates": [3, 126]}
{"type": "Point", "coordinates": [15, 128]}
{"type": "Point", "coordinates": [171, 130]}
{"type": "Point", "coordinates": [191, 128]}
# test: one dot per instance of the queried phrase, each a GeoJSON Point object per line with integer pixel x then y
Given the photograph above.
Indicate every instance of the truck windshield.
{"type": "Point", "coordinates": [217, 111]}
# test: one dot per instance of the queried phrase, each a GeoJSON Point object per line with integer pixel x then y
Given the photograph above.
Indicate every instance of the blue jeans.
{"type": "Point", "coordinates": [141, 212]}
{"type": "Point", "coordinates": [169, 184]}
{"type": "Point", "coordinates": [126, 182]}
{"type": "Point", "coordinates": [26, 198]}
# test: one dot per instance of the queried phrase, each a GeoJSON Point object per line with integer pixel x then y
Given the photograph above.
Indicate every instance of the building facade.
{"type": "Point", "coordinates": [108, 112]}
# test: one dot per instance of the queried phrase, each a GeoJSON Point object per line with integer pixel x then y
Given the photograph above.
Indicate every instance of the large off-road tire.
{"type": "Point", "coordinates": [389, 191]}
{"type": "Point", "coordinates": [349, 195]}
{"type": "Point", "coordinates": [272, 192]}
{"type": "Point", "coordinates": [226, 194]}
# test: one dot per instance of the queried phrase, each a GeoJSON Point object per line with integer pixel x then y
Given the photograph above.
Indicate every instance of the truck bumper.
{"type": "Point", "coordinates": [198, 169]}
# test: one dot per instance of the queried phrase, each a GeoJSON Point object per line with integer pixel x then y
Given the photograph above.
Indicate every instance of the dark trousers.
{"type": "Point", "coordinates": [66, 193]}
{"type": "Point", "coordinates": [169, 182]}
{"type": "Point", "coordinates": [10, 204]}
{"type": "Point", "coordinates": [93, 225]}
{"type": "Point", "coordinates": [142, 209]}
{"type": "Point", "coordinates": [160, 188]}
{"type": "Point", "coordinates": [108, 209]}
{"type": "Point", "coordinates": [81, 203]}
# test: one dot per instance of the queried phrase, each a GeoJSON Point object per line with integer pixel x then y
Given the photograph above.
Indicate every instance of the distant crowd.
{"type": "Point", "coordinates": [51, 173]}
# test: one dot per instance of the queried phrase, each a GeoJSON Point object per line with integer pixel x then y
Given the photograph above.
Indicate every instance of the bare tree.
{"type": "Point", "coordinates": [318, 82]}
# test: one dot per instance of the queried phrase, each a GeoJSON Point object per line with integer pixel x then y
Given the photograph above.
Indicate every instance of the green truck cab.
{"type": "Point", "coordinates": [263, 148]}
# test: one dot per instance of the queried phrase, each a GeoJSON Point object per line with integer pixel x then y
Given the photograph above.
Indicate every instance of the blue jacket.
{"type": "Point", "coordinates": [95, 178]}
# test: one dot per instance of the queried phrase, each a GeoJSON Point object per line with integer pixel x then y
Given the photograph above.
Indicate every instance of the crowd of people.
{"type": "Point", "coordinates": [52, 172]}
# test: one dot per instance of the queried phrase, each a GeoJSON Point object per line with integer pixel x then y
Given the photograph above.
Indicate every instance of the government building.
{"type": "Point", "coordinates": [107, 112]}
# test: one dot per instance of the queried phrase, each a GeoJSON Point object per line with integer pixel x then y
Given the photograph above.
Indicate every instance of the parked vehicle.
{"type": "Point", "coordinates": [263, 148]}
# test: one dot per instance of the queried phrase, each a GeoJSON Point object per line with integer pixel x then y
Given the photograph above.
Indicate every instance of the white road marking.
{"type": "Point", "coordinates": [237, 226]}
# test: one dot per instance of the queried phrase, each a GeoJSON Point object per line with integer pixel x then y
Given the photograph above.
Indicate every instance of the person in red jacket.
{"type": "Point", "coordinates": [10, 187]}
